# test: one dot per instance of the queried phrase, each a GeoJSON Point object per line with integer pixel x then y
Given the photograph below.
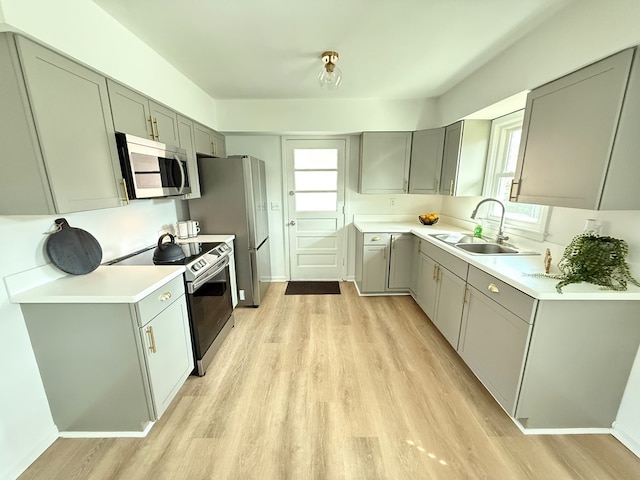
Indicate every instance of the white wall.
{"type": "Point", "coordinates": [325, 116]}
{"type": "Point", "coordinates": [581, 33]}
{"type": "Point", "coordinates": [82, 30]}
{"type": "Point", "coordinates": [25, 420]}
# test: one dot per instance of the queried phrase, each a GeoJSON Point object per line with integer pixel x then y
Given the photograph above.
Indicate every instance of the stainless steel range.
{"type": "Point", "coordinates": [208, 287]}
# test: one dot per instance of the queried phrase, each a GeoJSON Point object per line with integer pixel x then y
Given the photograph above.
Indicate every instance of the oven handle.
{"type": "Point", "coordinates": [217, 268]}
{"type": "Point", "coordinates": [182, 176]}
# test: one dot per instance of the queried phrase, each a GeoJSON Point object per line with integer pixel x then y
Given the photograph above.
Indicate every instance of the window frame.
{"type": "Point", "coordinates": [501, 128]}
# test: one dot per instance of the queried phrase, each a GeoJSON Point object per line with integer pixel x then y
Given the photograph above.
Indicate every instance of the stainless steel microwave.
{"type": "Point", "coordinates": [152, 169]}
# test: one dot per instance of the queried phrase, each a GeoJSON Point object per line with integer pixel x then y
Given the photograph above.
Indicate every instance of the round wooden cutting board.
{"type": "Point", "coordinates": [73, 250]}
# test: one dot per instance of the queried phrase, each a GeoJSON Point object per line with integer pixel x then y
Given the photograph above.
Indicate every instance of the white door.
{"type": "Point", "coordinates": [315, 207]}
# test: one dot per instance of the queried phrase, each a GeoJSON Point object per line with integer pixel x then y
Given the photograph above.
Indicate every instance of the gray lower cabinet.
{"type": "Point", "coordinates": [441, 289]}
{"type": "Point", "coordinates": [426, 161]}
{"type": "Point", "coordinates": [112, 367]}
{"type": "Point", "coordinates": [56, 132]}
{"type": "Point", "coordinates": [372, 262]}
{"type": "Point", "coordinates": [493, 340]}
{"type": "Point", "coordinates": [384, 162]}
{"type": "Point", "coordinates": [465, 157]}
{"type": "Point", "coordinates": [187, 141]}
{"type": "Point", "coordinates": [401, 261]}
{"type": "Point", "coordinates": [135, 114]}
{"type": "Point", "coordinates": [580, 139]}
{"type": "Point", "coordinates": [209, 142]}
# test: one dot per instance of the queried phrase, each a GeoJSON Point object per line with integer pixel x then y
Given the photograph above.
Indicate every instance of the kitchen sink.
{"type": "Point", "coordinates": [478, 246]}
{"type": "Point", "coordinates": [486, 248]}
{"type": "Point", "coordinates": [455, 238]}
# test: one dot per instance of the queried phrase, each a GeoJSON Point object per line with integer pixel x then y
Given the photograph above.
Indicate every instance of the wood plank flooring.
{"type": "Point", "coordinates": [336, 387]}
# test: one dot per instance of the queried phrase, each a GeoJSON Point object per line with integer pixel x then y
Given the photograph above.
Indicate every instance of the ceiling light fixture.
{"type": "Point", "coordinates": [330, 76]}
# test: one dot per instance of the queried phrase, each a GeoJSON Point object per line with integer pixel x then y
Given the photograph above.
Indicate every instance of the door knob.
{"type": "Point", "coordinates": [291, 193]}
{"type": "Point", "coordinates": [292, 223]}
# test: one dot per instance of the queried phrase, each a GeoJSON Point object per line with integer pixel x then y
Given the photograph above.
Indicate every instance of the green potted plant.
{"type": "Point", "coordinates": [595, 259]}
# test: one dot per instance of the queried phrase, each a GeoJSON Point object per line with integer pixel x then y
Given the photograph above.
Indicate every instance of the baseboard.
{"type": "Point", "coordinates": [141, 434]}
{"type": "Point", "coordinates": [278, 279]}
{"type": "Point", "coordinates": [627, 440]}
{"type": "Point", "coordinates": [38, 449]}
{"type": "Point", "coordinates": [562, 431]}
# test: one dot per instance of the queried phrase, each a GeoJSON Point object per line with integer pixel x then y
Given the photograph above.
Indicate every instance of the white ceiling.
{"type": "Point", "coordinates": [395, 49]}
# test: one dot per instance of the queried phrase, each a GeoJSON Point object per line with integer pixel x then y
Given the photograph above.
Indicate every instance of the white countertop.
{"type": "Point", "coordinates": [206, 238]}
{"type": "Point", "coordinates": [511, 269]}
{"type": "Point", "coordinates": [106, 284]}
{"type": "Point", "coordinates": [110, 283]}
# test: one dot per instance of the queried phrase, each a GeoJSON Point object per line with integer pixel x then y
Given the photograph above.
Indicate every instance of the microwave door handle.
{"type": "Point", "coordinates": [182, 181]}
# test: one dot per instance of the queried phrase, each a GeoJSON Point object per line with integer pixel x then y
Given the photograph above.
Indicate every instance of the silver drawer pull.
{"type": "Point", "coordinates": [375, 239]}
{"type": "Point", "coordinates": [165, 296]}
{"type": "Point", "coordinates": [492, 288]}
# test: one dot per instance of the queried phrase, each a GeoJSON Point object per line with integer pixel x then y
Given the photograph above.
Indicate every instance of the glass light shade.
{"type": "Point", "coordinates": [330, 79]}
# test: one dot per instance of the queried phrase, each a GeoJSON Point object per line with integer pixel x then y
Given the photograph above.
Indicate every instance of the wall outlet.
{"type": "Point", "coordinates": [392, 202]}
{"type": "Point", "coordinates": [275, 206]}
{"type": "Point", "coordinates": [241, 294]}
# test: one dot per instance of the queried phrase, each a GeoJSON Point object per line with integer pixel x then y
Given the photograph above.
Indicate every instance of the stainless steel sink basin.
{"type": "Point", "coordinates": [455, 238]}
{"type": "Point", "coordinates": [486, 248]}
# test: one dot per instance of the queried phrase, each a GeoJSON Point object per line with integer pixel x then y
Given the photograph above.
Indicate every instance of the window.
{"type": "Point", "coordinates": [521, 218]}
{"type": "Point", "coordinates": [315, 176]}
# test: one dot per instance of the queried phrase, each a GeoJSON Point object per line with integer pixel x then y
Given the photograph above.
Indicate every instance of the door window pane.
{"type": "Point", "coordinates": [316, 180]}
{"type": "Point", "coordinates": [317, 202]}
{"type": "Point", "coordinates": [315, 159]}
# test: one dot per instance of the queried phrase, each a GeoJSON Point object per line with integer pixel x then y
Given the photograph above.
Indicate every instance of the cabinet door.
{"type": "Point", "coordinates": [426, 161]}
{"type": "Point", "coordinates": [130, 111]}
{"type": "Point", "coordinates": [568, 133]}
{"type": "Point", "coordinates": [166, 124]}
{"type": "Point", "coordinates": [452, 139]}
{"type": "Point", "coordinates": [384, 162]}
{"type": "Point", "coordinates": [449, 305]}
{"type": "Point", "coordinates": [219, 147]}
{"type": "Point", "coordinates": [374, 268]}
{"type": "Point", "coordinates": [203, 139]}
{"type": "Point", "coordinates": [401, 261]}
{"type": "Point", "coordinates": [415, 269]}
{"type": "Point", "coordinates": [427, 285]}
{"type": "Point", "coordinates": [493, 343]}
{"type": "Point", "coordinates": [168, 353]}
{"type": "Point", "coordinates": [70, 104]}
{"type": "Point", "coordinates": [185, 135]}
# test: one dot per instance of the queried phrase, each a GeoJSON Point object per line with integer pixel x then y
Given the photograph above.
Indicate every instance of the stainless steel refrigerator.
{"type": "Point", "coordinates": [234, 200]}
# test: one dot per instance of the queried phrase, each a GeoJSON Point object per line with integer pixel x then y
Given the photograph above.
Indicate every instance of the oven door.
{"type": "Point", "coordinates": [210, 308]}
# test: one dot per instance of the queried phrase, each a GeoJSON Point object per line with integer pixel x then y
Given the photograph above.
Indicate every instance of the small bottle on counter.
{"type": "Point", "coordinates": [477, 232]}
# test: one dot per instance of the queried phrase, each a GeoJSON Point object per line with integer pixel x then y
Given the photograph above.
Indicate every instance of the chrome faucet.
{"type": "Point", "coordinates": [501, 237]}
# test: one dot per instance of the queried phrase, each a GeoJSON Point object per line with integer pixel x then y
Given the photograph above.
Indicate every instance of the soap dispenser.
{"type": "Point", "coordinates": [477, 232]}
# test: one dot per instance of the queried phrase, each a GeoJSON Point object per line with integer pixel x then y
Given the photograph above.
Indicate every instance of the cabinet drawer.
{"type": "Point", "coordinates": [159, 299]}
{"type": "Point", "coordinates": [448, 261]}
{"type": "Point", "coordinates": [376, 238]}
{"type": "Point", "coordinates": [509, 297]}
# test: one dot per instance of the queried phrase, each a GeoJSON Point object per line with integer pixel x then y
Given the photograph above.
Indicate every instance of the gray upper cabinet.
{"type": "Point", "coordinates": [465, 157]}
{"type": "Point", "coordinates": [580, 139]}
{"type": "Point", "coordinates": [209, 142]}
{"type": "Point", "coordinates": [135, 114]}
{"type": "Point", "coordinates": [59, 151]}
{"type": "Point", "coordinates": [426, 161]}
{"type": "Point", "coordinates": [186, 138]}
{"type": "Point", "coordinates": [384, 162]}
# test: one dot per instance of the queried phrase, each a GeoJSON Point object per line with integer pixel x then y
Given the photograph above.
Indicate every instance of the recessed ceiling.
{"type": "Point", "coordinates": [401, 49]}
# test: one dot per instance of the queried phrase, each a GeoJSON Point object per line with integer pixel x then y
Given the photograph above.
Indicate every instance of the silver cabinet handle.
{"type": "Point", "coordinates": [492, 288]}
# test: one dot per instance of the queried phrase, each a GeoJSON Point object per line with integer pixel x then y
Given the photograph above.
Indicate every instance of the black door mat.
{"type": "Point", "coordinates": [312, 288]}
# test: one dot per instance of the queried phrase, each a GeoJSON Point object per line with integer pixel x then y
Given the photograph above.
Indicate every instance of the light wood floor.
{"type": "Point", "coordinates": [336, 387]}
